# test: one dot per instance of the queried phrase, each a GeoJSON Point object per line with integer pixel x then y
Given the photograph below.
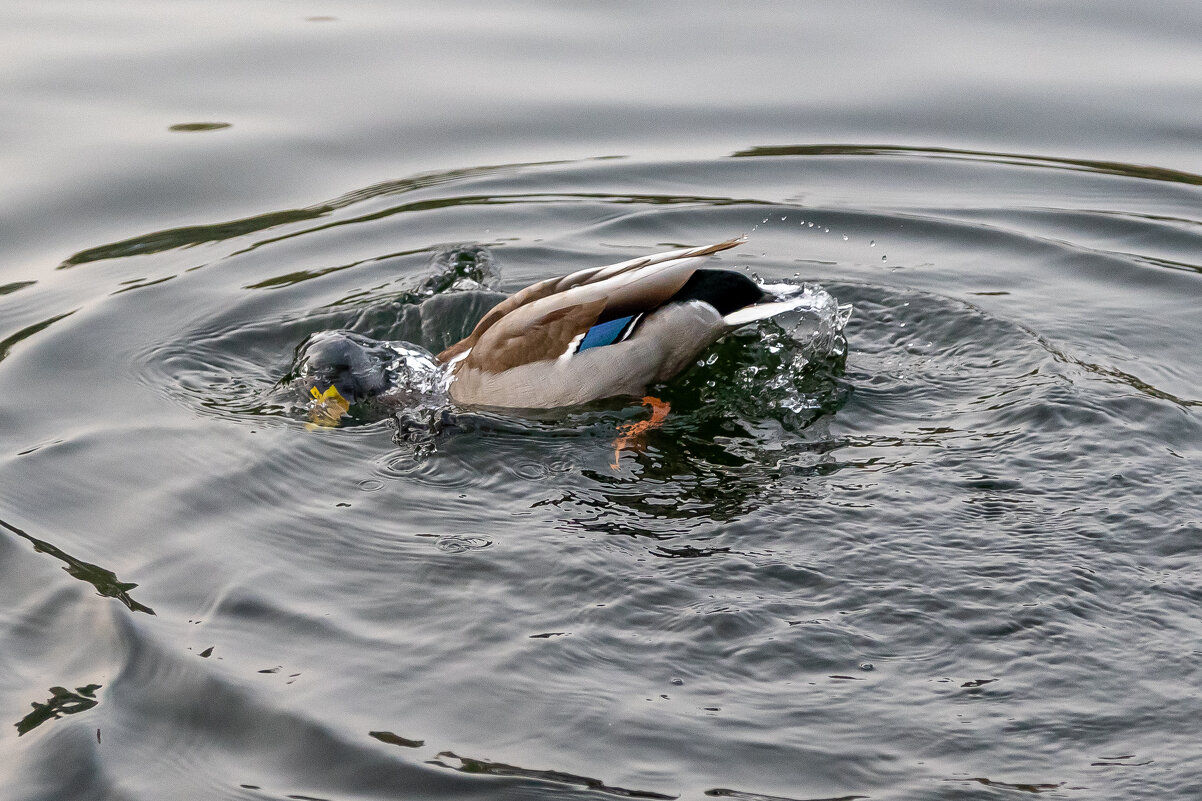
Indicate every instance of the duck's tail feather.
{"type": "Point", "coordinates": [762, 311]}
{"type": "Point", "coordinates": [600, 273]}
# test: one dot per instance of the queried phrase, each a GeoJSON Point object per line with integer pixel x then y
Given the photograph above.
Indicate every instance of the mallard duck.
{"type": "Point", "coordinates": [603, 332]}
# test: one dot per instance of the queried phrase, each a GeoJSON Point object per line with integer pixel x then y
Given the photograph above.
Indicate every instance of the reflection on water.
{"type": "Point", "coordinates": [105, 581]}
{"type": "Point", "coordinates": [61, 702]}
{"type": "Point", "coordinates": [6, 345]}
{"type": "Point", "coordinates": [486, 768]}
{"type": "Point", "coordinates": [396, 739]}
{"type": "Point", "coordinates": [727, 793]}
{"type": "Point", "coordinates": [1145, 172]}
{"type": "Point", "coordinates": [195, 127]}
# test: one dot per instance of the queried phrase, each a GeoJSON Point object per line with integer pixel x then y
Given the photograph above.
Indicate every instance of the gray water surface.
{"type": "Point", "coordinates": [952, 551]}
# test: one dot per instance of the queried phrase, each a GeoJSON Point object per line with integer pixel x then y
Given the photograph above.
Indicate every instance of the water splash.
{"type": "Point", "coordinates": [782, 374]}
{"type": "Point", "coordinates": [817, 321]}
{"type": "Point", "coordinates": [460, 268]}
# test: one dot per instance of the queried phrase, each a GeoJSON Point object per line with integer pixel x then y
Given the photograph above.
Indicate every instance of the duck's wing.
{"type": "Point", "coordinates": [542, 321]}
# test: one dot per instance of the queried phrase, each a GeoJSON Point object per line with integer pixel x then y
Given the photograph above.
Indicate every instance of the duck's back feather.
{"type": "Point", "coordinates": [540, 321]}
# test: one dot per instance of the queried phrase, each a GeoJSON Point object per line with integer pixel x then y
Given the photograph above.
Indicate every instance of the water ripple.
{"type": "Point", "coordinates": [876, 555]}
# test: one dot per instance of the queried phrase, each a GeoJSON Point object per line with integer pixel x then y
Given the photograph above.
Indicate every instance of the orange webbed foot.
{"type": "Point", "coordinates": [630, 434]}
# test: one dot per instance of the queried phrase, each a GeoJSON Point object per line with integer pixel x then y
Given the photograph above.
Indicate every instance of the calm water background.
{"type": "Point", "coordinates": [963, 561]}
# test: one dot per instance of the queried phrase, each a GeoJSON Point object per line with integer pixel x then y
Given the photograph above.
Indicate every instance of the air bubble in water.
{"type": "Point", "coordinates": [871, 243]}
{"type": "Point", "coordinates": [845, 237]}
{"type": "Point", "coordinates": [884, 258]}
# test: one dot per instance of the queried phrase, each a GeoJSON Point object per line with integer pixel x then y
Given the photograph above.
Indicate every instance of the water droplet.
{"type": "Point", "coordinates": [866, 666]}
{"type": "Point", "coordinates": [871, 243]}
{"type": "Point", "coordinates": [845, 237]}
{"type": "Point", "coordinates": [810, 224]}
{"type": "Point", "coordinates": [883, 258]}
{"type": "Point", "coordinates": [678, 681]}
{"type": "Point", "coordinates": [826, 230]}
{"type": "Point", "coordinates": [782, 219]}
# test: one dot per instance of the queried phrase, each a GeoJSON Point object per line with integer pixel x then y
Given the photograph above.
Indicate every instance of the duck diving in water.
{"type": "Point", "coordinates": [597, 333]}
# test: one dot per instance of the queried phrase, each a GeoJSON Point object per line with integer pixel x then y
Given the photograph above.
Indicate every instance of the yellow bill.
{"type": "Point", "coordinates": [327, 408]}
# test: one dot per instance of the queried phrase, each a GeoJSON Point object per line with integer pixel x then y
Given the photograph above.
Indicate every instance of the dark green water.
{"type": "Point", "coordinates": [955, 553]}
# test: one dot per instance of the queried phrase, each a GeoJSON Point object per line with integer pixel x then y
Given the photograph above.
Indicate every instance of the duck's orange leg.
{"type": "Point", "coordinates": [631, 432]}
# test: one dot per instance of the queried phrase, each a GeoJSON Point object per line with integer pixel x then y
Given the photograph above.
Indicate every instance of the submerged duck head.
{"type": "Point", "coordinates": [337, 360]}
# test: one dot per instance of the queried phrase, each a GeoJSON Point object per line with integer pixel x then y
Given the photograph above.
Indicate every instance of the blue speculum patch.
{"type": "Point", "coordinates": [606, 333]}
